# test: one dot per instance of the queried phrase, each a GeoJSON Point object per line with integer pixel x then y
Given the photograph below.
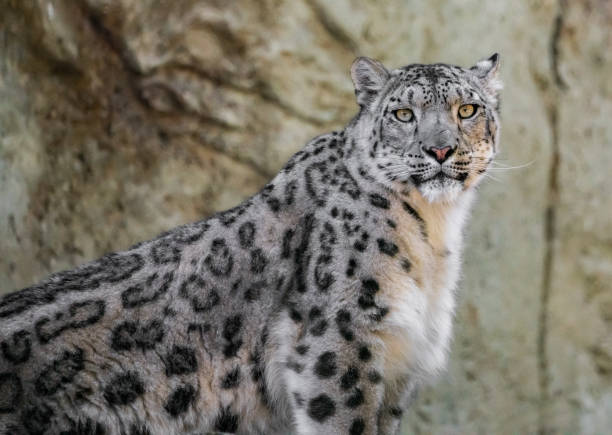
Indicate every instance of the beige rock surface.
{"type": "Point", "coordinates": [121, 119]}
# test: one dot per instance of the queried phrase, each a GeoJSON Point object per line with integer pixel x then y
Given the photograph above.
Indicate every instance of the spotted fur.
{"type": "Point", "coordinates": [319, 305]}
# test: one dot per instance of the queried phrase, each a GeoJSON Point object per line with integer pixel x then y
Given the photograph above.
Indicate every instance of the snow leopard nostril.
{"type": "Point", "coordinates": [441, 154]}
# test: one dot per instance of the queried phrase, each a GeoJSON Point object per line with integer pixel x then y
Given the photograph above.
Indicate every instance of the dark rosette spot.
{"type": "Point", "coordinates": [181, 360]}
{"type": "Point", "coordinates": [231, 379]}
{"type": "Point", "coordinates": [128, 335]}
{"type": "Point", "coordinates": [180, 400]}
{"type": "Point", "coordinates": [220, 260]}
{"type": "Point", "coordinates": [61, 371]}
{"type": "Point", "coordinates": [226, 421]}
{"type": "Point", "coordinates": [357, 427]}
{"type": "Point", "coordinates": [326, 365]}
{"type": "Point", "coordinates": [80, 315]}
{"type": "Point", "coordinates": [246, 235]}
{"type": "Point", "coordinates": [10, 392]}
{"type": "Point", "coordinates": [258, 261]}
{"type": "Point", "coordinates": [350, 378]}
{"type": "Point", "coordinates": [387, 247]}
{"type": "Point", "coordinates": [124, 389]}
{"type": "Point", "coordinates": [36, 419]}
{"type": "Point", "coordinates": [356, 399]}
{"type": "Point", "coordinates": [321, 408]}
{"type": "Point", "coordinates": [379, 201]}
{"type": "Point", "coordinates": [18, 348]}
{"type": "Point", "coordinates": [148, 291]}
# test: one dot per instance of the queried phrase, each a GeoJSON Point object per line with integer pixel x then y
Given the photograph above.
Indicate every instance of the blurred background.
{"type": "Point", "coordinates": [120, 119]}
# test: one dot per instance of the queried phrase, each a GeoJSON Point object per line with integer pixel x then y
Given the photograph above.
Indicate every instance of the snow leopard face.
{"type": "Point", "coordinates": [433, 127]}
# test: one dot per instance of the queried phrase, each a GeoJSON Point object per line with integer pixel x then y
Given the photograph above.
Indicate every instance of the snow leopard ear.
{"type": "Point", "coordinates": [369, 76]}
{"type": "Point", "coordinates": [487, 71]}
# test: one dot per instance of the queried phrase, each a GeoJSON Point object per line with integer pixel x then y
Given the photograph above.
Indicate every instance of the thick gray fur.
{"type": "Point", "coordinates": [317, 306]}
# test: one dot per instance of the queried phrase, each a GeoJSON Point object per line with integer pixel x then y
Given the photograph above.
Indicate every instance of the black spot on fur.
{"type": "Point", "coordinates": [321, 408]}
{"type": "Point", "coordinates": [295, 366]}
{"type": "Point", "coordinates": [18, 348]}
{"type": "Point", "coordinates": [257, 367]}
{"type": "Point", "coordinates": [366, 301]}
{"type": "Point", "coordinates": [274, 204]}
{"type": "Point", "coordinates": [60, 371]}
{"type": "Point", "coordinates": [314, 313]}
{"type": "Point", "coordinates": [391, 223]}
{"type": "Point", "coordinates": [195, 290]}
{"type": "Point", "coordinates": [80, 314]}
{"type": "Point", "coordinates": [406, 265]}
{"type": "Point", "coordinates": [253, 293]}
{"type": "Point", "coordinates": [231, 379]}
{"type": "Point", "coordinates": [258, 261]}
{"type": "Point", "coordinates": [11, 392]}
{"type": "Point", "coordinates": [232, 326]}
{"type": "Point", "coordinates": [356, 399]}
{"type": "Point", "coordinates": [128, 335]}
{"type": "Point", "coordinates": [319, 328]}
{"type": "Point", "coordinates": [146, 292]}
{"type": "Point", "coordinates": [379, 201]}
{"type": "Point", "coordinates": [323, 277]}
{"type": "Point", "coordinates": [360, 246]}
{"type": "Point", "coordinates": [380, 313]}
{"type": "Point", "coordinates": [317, 178]}
{"type": "Point", "coordinates": [180, 400]}
{"type": "Point", "coordinates": [352, 265]}
{"type": "Point", "coordinates": [287, 237]}
{"type": "Point", "coordinates": [369, 285]}
{"type": "Point", "coordinates": [181, 360]}
{"type": "Point", "coordinates": [36, 419]}
{"type": "Point", "coordinates": [231, 349]}
{"type": "Point", "coordinates": [290, 189]}
{"type": "Point", "coordinates": [326, 366]}
{"type": "Point", "coordinates": [412, 212]}
{"type": "Point", "coordinates": [228, 217]}
{"type": "Point", "coordinates": [302, 349]}
{"type": "Point", "coordinates": [357, 427]}
{"type": "Point", "coordinates": [165, 251]}
{"type": "Point", "coordinates": [124, 389]}
{"type": "Point", "coordinates": [343, 321]}
{"type": "Point", "coordinates": [387, 247]}
{"type": "Point", "coordinates": [374, 377]}
{"type": "Point", "coordinates": [220, 260]}
{"type": "Point", "coordinates": [231, 329]}
{"type": "Point", "coordinates": [246, 235]}
{"type": "Point", "coordinates": [396, 412]}
{"type": "Point", "coordinates": [364, 353]}
{"type": "Point", "coordinates": [302, 255]}
{"type": "Point", "coordinates": [350, 378]}
{"type": "Point", "coordinates": [295, 315]}
{"type": "Point", "coordinates": [226, 421]}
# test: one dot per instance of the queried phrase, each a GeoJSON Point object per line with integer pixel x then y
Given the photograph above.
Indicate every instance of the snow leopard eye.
{"type": "Point", "coordinates": [404, 115]}
{"type": "Point", "coordinates": [467, 111]}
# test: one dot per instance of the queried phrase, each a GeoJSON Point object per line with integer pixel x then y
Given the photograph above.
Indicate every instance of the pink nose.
{"type": "Point", "coordinates": [440, 153]}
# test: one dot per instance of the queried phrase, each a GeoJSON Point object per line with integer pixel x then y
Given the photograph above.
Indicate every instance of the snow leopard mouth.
{"type": "Point", "coordinates": [439, 177]}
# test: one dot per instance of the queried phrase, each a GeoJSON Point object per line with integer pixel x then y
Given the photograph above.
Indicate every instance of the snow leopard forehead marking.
{"type": "Point", "coordinates": [432, 85]}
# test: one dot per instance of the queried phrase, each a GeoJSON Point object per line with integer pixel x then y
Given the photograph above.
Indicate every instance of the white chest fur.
{"type": "Point", "coordinates": [422, 299]}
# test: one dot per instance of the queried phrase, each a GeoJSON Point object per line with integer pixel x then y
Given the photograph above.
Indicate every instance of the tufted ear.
{"type": "Point", "coordinates": [369, 76]}
{"type": "Point", "coordinates": [487, 71]}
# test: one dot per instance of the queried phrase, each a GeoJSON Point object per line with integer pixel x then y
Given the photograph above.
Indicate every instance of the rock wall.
{"type": "Point", "coordinates": [122, 118]}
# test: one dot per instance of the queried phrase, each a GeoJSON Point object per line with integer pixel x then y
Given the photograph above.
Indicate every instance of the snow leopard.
{"type": "Point", "coordinates": [320, 305]}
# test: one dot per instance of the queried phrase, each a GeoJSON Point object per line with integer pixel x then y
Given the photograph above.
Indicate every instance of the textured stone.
{"type": "Point", "coordinates": [121, 119]}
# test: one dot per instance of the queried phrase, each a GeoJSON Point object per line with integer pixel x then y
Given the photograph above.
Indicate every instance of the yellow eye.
{"type": "Point", "coordinates": [467, 111]}
{"type": "Point", "coordinates": [404, 115]}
